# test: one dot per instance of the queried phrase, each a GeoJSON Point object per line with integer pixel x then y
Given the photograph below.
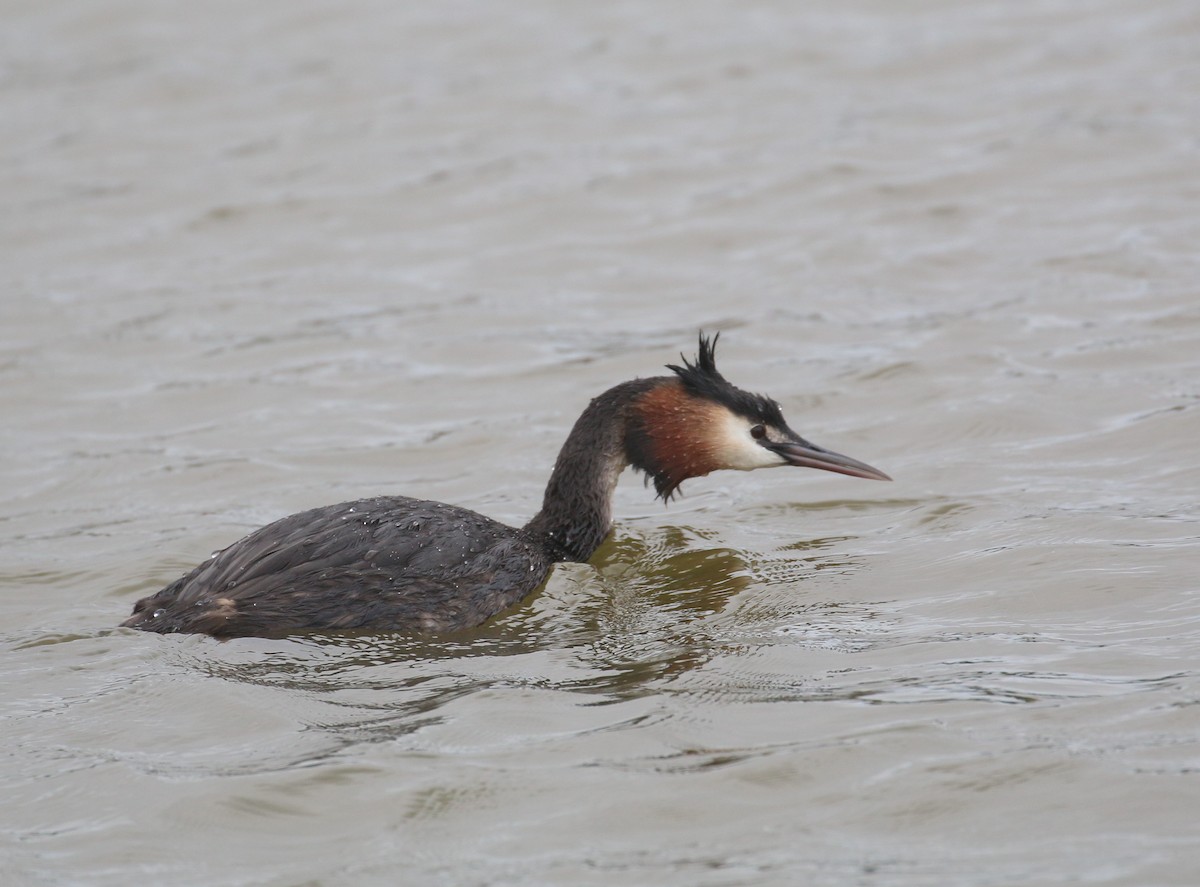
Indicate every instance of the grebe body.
{"type": "Point", "coordinates": [393, 563]}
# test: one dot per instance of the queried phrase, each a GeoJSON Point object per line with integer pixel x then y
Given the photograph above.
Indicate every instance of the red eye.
{"type": "Point", "coordinates": [758, 432]}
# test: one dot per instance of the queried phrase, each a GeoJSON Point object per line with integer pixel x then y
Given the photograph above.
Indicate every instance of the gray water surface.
{"type": "Point", "coordinates": [263, 257]}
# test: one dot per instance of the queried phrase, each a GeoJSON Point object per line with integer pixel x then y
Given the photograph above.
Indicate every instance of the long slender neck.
{"type": "Point", "coordinates": [576, 512]}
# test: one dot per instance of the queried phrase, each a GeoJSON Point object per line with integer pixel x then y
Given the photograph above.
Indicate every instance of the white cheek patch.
{"type": "Point", "coordinates": [735, 448]}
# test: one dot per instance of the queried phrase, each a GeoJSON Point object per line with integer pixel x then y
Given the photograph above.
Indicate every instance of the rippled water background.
{"type": "Point", "coordinates": [261, 257]}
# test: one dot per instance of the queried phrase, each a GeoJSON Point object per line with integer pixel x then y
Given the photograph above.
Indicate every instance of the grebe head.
{"type": "Point", "coordinates": [697, 422]}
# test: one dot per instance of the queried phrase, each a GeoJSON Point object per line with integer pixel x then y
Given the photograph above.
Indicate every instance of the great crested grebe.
{"type": "Point", "coordinates": [397, 564]}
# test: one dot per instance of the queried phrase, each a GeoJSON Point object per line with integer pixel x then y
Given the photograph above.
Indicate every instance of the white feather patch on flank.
{"type": "Point", "coordinates": [734, 447]}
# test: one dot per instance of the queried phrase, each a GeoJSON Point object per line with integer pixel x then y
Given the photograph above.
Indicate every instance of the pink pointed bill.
{"type": "Point", "coordinates": [808, 455]}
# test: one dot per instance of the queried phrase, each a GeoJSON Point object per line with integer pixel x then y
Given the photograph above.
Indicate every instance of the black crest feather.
{"type": "Point", "coordinates": [702, 379]}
